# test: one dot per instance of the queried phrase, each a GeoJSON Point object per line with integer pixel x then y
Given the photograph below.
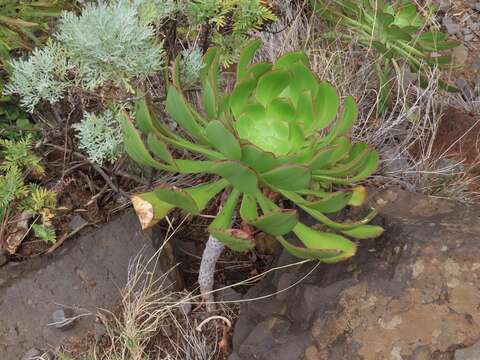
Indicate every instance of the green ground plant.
{"type": "Point", "coordinates": [228, 22]}
{"type": "Point", "coordinates": [279, 131]}
{"type": "Point", "coordinates": [24, 25]}
{"type": "Point", "coordinates": [19, 193]}
{"type": "Point", "coordinates": [397, 32]}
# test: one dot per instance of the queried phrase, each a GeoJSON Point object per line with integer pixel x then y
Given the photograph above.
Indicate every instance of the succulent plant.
{"type": "Point", "coordinates": [277, 133]}
{"type": "Point", "coordinates": [395, 30]}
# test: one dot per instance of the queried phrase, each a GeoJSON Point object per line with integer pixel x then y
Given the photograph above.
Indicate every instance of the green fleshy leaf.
{"type": "Point", "coordinates": [177, 197]}
{"type": "Point", "coordinates": [277, 222]}
{"type": "Point", "coordinates": [291, 58]}
{"type": "Point", "coordinates": [305, 112]}
{"type": "Point", "coordinates": [223, 140]}
{"type": "Point", "coordinates": [354, 162]}
{"type": "Point", "coordinates": [271, 85]}
{"type": "Point", "coordinates": [225, 217]}
{"type": "Point", "coordinates": [180, 111]}
{"type": "Point", "coordinates": [194, 166]}
{"type": "Point", "coordinates": [248, 208]}
{"type": "Point", "coordinates": [364, 232]}
{"type": "Point", "coordinates": [370, 165]}
{"type": "Point", "coordinates": [330, 154]}
{"type": "Point", "coordinates": [202, 194]}
{"type": "Point", "coordinates": [153, 206]}
{"type": "Point", "coordinates": [259, 160]}
{"type": "Point", "coordinates": [349, 116]}
{"type": "Point", "coordinates": [246, 56]}
{"type": "Point", "coordinates": [208, 60]}
{"type": "Point", "coordinates": [160, 149]}
{"type": "Point", "coordinates": [326, 105]}
{"type": "Point", "coordinates": [259, 69]}
{"type": "Point", "coordinates": [143, 116]}
{"type": "Point", "coordinates": [320, 240]}
{"type": "Point", "coordinates": [304, 80]}
{"type": "Point", "coordinates": [359, 196]}
{"type": "Point", "coordinates": [307, 253]}
{"type": "Point", "coordinates": [240, 95]}
{"type": "Point", "coordinates": [288, 177]}
{"type": "Point", "coordinates": [240, 176]}
{"type": "Point", "coordinates": [237, 240]}
{"type": "Point", "coordinates": [135, 147]}
{"type": "Point", "coordinates": [209, 99]}
{"type": "Point", "coordinates": [331, 204]}
{"type": "Point", "coordinates": [317, 215]}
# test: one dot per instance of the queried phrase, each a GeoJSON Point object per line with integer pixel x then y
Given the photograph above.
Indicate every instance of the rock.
{"type": "Point", "coordinates": [63, 319]}
{"type": "Point", "coordinates": [470, 353]}
{"type": "Point", "coordinates": [394, 161]}
{"type": "Point", "coordinates": [311, 353]}
{"type": "Point", "coordinates": [100, 331]}
{"type": "Point", "coordinates": [86, 273]}
{"type": "Point", "coordinates": [76, 222]}
{"type": "Point", "coordinates": [228, 295]}
{"type": "Point", "coordinates": [444, 4]}
{"type": "Point", "coordinates": [451, 26]}
{"type": "Point", "coordinates": [468, 37]}
{"type": "Point", "coordinates": [477, 6]}
{"type": "Point", "coordinates": [46, 356]}
{"type": "Point", "coordinates": [3, 257]}
{"type": "Point", "coordinates": [467, 92]}
{"type": "Point", "coordinates": [460, 55]}
{"type": "Point", "coordinates": [186, 307]}
{"type": "Point", "coordinates": [284, 282]}
{"type": "Point", "coordinates": [412, 294]}
{"type": "Point", "coordinates": [476, 63]}
{"type": "Point", "coordinates": [32, 354]}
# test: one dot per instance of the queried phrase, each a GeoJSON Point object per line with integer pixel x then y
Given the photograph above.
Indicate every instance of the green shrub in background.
{"type": "Point", "coordinates": [396, 31]}
{"type": "Point", "coordinates": [18, 194]}
{"type": "Point", "coordinates": [228, 22]}
{"type": "Point", "coordinates": [279, 131]}
{"type": "Point", "coordinates": [23, 26]}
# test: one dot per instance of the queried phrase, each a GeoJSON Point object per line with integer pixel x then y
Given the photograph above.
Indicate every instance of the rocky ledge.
{"type": "Point", "coordinates": [414, 294]}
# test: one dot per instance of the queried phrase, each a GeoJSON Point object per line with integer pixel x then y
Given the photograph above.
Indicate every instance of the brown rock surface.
{"type": "Point", "coordinates": [414, 294]}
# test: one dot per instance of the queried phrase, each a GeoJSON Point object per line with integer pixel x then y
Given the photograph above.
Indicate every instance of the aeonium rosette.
{"type": "Point", "coordinates": [279, 131]}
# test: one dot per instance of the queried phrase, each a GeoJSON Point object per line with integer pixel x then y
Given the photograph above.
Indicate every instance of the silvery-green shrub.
{"type": "Point", "coordinates": [192, 63]}
{"type": "Point", "coordinates": [41, 77]}
{"type": "Point", "coordinates": [100, 136]}
{"type": "Point", "coordinates": [110, 43]}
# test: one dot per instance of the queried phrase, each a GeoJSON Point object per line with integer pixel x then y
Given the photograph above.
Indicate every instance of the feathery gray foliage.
{"type": "Point", "coordinates": [110, 43]}
{"type": "Point", "coordinates": [100, 136]}
{"type": "Point", "coordinates": [191, 65]}
{"type": "Point", "coordinates": [41, 77]}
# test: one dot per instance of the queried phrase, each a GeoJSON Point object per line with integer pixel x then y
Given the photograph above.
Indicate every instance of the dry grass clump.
{"type": "Point", "coordinates": [153, 321]}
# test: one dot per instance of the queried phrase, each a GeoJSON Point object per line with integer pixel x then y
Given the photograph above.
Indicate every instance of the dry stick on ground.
{"type": "Point", "coordinates": [97, 168]}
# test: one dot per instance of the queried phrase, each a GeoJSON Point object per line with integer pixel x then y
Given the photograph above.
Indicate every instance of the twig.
{"type": "Point", "coordinates": [97, 168]}
{"type": "Point", "coordinates": [65, 237]}
{"type": "Point", "coordinates": [223, 318]}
